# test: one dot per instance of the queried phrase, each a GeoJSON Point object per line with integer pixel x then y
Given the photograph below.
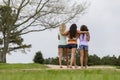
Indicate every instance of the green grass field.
{"type": "Point", "coordinates": [41, 72]}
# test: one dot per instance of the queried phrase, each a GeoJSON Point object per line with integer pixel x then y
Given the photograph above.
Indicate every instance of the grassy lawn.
{"type": "Point", "coordinates": [21, 66]}
{"type": "Point", "coordinates": [40, 72]}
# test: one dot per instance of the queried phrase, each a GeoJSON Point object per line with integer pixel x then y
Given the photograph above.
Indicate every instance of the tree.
{"type": "Point", "coordinates": [38, 58]}
{"type": "Point", "coordinates": [55, 61]}
{"type": "Point", "coordinates": [47, 61]}
{"type": "Point", "coordinates": [118, 61]}
{"type": "Point", "coordinates": [113, 60]}
{"type": "Point", "coordinates": [107, 60]}
{"type": "Point", "coordinates": [93, 60]}
{"type": "Point", "coordinates": [26, 16]}
{"type": "Point", "coordinates": [9, 37]}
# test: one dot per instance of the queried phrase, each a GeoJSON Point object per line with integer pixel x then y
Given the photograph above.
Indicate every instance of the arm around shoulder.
{"type": "Point", "coordinates": [88, 36]}
{"type": "Point", "coordinates": [80, 32]}
{"type": "Point", "coordinates": [66, 33]}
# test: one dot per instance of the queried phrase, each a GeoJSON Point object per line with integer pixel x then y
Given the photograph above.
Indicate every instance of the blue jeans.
{"type": "Point", "coordinates": [83, 47]}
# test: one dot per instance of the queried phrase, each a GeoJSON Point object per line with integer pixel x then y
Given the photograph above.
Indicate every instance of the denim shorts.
{"type": "Point", "coordinates": [83, 47]}
{"type": "Point", "coordinates": [62, 46]}
{"type": "Point", "coordinates": [72, 46]}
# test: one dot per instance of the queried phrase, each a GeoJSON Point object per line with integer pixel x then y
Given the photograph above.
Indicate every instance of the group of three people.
{"type": "Point", "coordinates": [73, 35]}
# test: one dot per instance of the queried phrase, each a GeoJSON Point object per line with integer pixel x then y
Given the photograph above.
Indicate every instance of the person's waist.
{"type": "Point", "coordinates": [72, 42]}
{"type": "Point", "coordinates": [83, 42]}
{"type": "Point", "coordinates": [62, 43]}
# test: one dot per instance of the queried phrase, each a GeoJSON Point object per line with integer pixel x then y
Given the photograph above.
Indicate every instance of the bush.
{"type": "Point", "coordinates": [38, 58]}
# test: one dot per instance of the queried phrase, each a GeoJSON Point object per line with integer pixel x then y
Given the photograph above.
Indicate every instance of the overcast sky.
{"type": "Point", "coordinates": [103, 21]}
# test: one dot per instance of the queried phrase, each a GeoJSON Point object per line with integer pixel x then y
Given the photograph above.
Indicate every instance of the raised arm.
{"type": "Point", "coordinates": [65, 33]}
{"type": "Point", "coordinates": [88, 36]}
{"type": "Point", "coordinates": [80, 32]}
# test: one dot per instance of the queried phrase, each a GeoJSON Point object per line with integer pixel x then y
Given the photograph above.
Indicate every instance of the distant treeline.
{"type": "Point", "coordinates": [92, 60]}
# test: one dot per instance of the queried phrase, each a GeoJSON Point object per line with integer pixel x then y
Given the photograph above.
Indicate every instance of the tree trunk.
{"type": "Point", "coordinates": [5, 48]}
{"type": "Point", "coordinates": [2, 58]}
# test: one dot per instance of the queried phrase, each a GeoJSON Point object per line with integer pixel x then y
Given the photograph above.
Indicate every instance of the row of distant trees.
{"type": "Point", "coordinates": [92, 60]}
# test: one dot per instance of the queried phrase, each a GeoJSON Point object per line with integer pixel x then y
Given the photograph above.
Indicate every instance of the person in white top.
{"type": "Point", "coordinates": [83, 46]}
{"type": "Point", "coordinates": [62, 46]}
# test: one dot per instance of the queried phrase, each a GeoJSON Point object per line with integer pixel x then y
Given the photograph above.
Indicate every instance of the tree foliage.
{"type": "Point", "coordinates": [9, 36]}
{"type": "Point", "coordinates": [38, 58]}
{"type": "Point", "coordinates": [92, 60]}
{"type": "Point", "coordinates": [19, 17]}
{"type": "Point", "coordinates": [118, 61]}
{"type": "Point", "coordinates": [107, 60]}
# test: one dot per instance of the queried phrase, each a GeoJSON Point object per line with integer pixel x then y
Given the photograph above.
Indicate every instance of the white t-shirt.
{"type": "Point", "coordinates": [83, 40]}
{"type": "Point", "coordinates": [63, 40]}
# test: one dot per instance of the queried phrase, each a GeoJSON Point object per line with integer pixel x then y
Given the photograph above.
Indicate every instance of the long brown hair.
{"type": "Point", "coordinates": [83, 28]}
{"type": "Point", "coordinates": [73, 31]}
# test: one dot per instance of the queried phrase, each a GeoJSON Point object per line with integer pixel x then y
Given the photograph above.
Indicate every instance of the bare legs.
{"type": "Point", "coordinates": [60, 56]}
{"type": "Point", "coordinates": [66, 52]}
{"type": "Point", "coordinates": [81, 57]}
{"type": "Point", "coordinates": [73, 59]}
{"type": "Point", "coordinates": [61, 51]}
{"type": "Point", "coordinates": [84, 57]}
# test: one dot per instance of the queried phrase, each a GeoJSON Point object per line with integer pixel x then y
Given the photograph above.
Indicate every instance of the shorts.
{"type": "Point", "coordinates": [83, 47]}
{"type": "Point", "coordinates": [72, 46]}
{"type": "Point", "coordinates": [62, 46]}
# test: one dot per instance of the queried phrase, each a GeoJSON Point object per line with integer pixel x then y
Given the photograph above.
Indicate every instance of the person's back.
{"type": "Point", "coordinates": [83, 39]}
{"type": "Point", "coordinates": [62, 44]}
{"type": "Point", "coordinates": [83, 45]}
{"type": "Point", "coordinates": [72, 43]}
{"type": "Point", "coordinates": [62, 40]}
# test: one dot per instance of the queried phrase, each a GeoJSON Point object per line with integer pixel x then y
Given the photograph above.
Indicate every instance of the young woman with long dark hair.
{"type": "Point", "coordinates": [73, 35]}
